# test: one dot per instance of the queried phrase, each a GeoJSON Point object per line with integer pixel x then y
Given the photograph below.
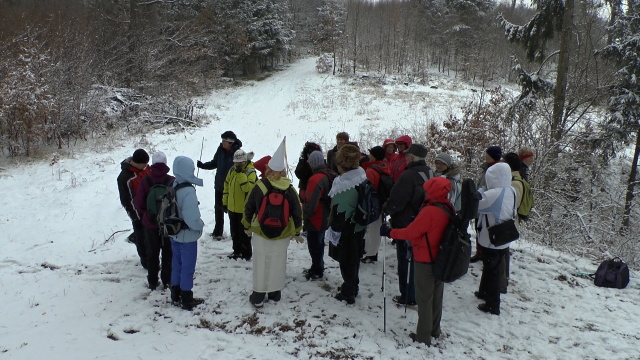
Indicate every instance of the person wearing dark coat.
{"type": "Point", "coordinates": [316, 208]}
{"type": "Point", "coordinates": [341, 139]}
{"type": "Point", "coordinates": [155, 242]}
{"type": "Point", "coordinates": [132, 170]}
{"type": "Point", "coordinates": [303, 170]}
{"type": "Point", "coordinates": [222, 161]}
{"type": "Point", "coordinates": [343, 231]}
{"type": "Point", "coordinates": [403, 205]}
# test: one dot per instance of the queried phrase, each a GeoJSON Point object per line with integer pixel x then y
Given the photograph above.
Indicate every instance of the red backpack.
{"type": "Point", "coordinates": [273, 215]}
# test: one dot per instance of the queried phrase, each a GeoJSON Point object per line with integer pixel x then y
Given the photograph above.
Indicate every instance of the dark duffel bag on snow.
{"type": "Point", "coordinates": [612, 273]}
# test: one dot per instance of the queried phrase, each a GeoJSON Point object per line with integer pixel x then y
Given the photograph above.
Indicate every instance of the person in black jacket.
{"type": "Point", "coordinates": [341, 139]}
{"type": "Point", "coordinates": [132, 170]}
{"type": "Point", "coordinates": [403, 205]}
{"type": "Point", "coordinates": [222, 161]}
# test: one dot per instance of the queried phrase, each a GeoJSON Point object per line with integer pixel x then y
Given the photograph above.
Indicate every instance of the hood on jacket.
{"type": "Point", "coordinates": [437, 189]}
{"type": "Point", "coordinates": [453, 170]}
{"type": "Point", "coordinates": [282, 183]}
{"type": "Point", "coordinates": [158, 171]}
{"type": "Point", "coordinates": [498, 175]}
{"type": "Point", "coordinates": [183, 169]}
{"type": "Point", "coordinates": [404, 139]}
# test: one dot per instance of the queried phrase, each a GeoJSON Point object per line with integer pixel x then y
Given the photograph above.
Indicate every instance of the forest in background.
{"type": "Point", "coordinates": [74, 70]}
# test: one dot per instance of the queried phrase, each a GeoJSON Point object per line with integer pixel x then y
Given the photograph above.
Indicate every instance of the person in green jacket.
{"type": "Point", "coordinates": [238, 184]}
{"type": "Point", "coordinates": [342, 228]}
{"type": "Point", "coordinates": [270, 239]}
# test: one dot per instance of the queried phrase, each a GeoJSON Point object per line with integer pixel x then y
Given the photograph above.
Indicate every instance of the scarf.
{"type": "Point", "coordinates": [347, 181]}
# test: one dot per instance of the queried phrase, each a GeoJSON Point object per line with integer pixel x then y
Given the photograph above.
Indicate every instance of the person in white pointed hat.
{"type": "Point", "coordinates": [272, 230]}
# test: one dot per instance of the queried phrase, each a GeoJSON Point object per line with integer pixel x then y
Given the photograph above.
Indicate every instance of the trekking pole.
{"type": "Point", "coordinates": [384, 269]}
{"type": "Point", "coordinates": [200, 159]}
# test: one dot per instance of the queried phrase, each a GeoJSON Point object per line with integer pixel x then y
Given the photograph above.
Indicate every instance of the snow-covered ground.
{"type": "Point", "coordinates": [72, 288]}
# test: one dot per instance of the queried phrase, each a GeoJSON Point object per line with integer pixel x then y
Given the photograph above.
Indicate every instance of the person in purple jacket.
{"type": "Point", "coordinates": [155, 242]}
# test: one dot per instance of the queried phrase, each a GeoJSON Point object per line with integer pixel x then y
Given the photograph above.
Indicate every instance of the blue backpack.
{"type": "Point", "coordinates": [369, 207]}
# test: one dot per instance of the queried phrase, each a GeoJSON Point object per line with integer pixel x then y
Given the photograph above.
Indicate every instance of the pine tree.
{"type": "Point", "coordinates": [624, 103]}
{"type": "Point", "coordinates": [552, 17]}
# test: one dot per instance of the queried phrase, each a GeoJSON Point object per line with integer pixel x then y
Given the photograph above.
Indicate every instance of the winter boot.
{"type": "Point", "coordinates": [153, 282]}
{"type": "Point", "coordinates": [257, 299]}
{"type": "Point", "coordinates": [489, 309]}
{"type": "Point", "coordinates": [188, 301]}
{"type": "Point", "coordinates": [274, 296]}
{"type": "Point", "coordinates": [175, 295]}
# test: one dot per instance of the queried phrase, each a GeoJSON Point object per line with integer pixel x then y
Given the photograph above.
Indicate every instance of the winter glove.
{"type": "Point", "coordinates": [225, 209]}
{"type": "Point", "coordinates": [248, 232]}
{"type": "Point", "coordinates": [385, 230]}
{"type": "Point", "coordinates": [333, 236]}
{"type": "Point", "coordinates": [298, 238]}
{"type": "Point", "coordinates": [199, 163]}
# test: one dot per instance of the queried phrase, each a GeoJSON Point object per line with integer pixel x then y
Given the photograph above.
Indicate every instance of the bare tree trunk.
{"type": "Point", "coordinates": [631, 184]}
{"type": "Point", "coordinates": [132, 38]}
{"type": "Point", "coordinates": [560, 92]}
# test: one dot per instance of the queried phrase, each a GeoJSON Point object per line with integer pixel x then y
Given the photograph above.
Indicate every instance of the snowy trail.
{"type": "Point", "coordinates": [69, 291]}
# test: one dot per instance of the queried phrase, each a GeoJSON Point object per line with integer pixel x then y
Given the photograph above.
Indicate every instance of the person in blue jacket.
{"type": "Point", "coordinates": [184, 245]}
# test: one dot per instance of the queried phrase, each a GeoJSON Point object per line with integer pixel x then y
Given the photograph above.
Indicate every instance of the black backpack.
{"type": "Point", "coordinates": [453, 258]}
{"type": "Point", "coordinates": [385, 184]}
{"type": "Point", "coordinates": [613, 273]}
{"type": "Point", "coordinates": [273, 215]}
{"type": "Point", "coordinates": [369, 208]}
{"type": "Point", "coordinates": [469, 199]}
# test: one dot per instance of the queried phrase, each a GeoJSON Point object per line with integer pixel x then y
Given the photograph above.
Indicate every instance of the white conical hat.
{"type": "Point", "coordinates": [278, 161]}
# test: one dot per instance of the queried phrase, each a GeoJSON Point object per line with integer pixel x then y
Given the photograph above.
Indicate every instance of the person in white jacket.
{"type": "Point", "coordinates": [498, 204]}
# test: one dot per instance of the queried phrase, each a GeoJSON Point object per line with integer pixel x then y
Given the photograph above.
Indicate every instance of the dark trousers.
{"type": "Point", "coordinates": [493, 271]}
{"type": "Point", "coordinates": [219, 214]}
{"type": "Point", "coordinates": [157, 244]}
{"type": "Point", "coordinates": [138, 233]}
{"type": "Point", "coordinates": [405, 270]}
{"type": "Point", "coordinates": [241, 242]}
{"type": "Point", "coordinates": [350, 253]}
{"type": "Point", "coordinates": [429, 294]}
{"type": "Point", "coordinates": [315, 243]}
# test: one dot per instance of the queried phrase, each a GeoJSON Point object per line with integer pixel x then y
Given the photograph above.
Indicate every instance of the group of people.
{"type": "Point", "coordinates": [322, 211]}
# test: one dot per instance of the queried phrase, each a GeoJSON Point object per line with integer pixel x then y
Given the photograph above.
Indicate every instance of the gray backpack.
{"type": "Point", "coordinates": [169, 220]}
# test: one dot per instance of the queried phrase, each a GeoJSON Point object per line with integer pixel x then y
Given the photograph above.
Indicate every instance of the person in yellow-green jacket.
{"type": "Point", "coordinates": [238, 184]}
{"type": "Point", "coordinates": [273, 215]}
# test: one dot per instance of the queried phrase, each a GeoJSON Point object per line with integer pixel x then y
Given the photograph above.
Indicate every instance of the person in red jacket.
{"type": "Point", "coordinates": [399, 162]}
{"type": "Point", "coordinates": [315, 209]}
{"type": "Point", "coordinates": [425, 233]}
{"type": "Point", "coordinates": [390, 148]}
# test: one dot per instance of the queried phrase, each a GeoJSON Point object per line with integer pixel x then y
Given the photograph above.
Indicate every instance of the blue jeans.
{"type": "Point", "coordinates": [405, 270]}
{"type": "Point", "coordinates": [315, 242]}
{"type": "Point", "coordinates": [183, 264]}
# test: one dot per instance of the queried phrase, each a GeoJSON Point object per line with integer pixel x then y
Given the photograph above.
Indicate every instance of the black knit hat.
{"type": "Point", "coordinates": [377, 152]}
{"type": "Point", "coordinates": [495, 152]}
{"type": "Point", "coordinates": [140, 157]}
{"type": "Point", "coordinates": [513, 160]}
{"type": "Point", "coordinates": [418, 150]}
{"type": "Point", "coordinates": [229, 135]}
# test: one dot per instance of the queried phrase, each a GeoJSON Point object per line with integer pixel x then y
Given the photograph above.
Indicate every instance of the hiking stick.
{"type": "Point", "coordinates": [384, 269]}
{"type": "Point", "coordinates": [200, 159]}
